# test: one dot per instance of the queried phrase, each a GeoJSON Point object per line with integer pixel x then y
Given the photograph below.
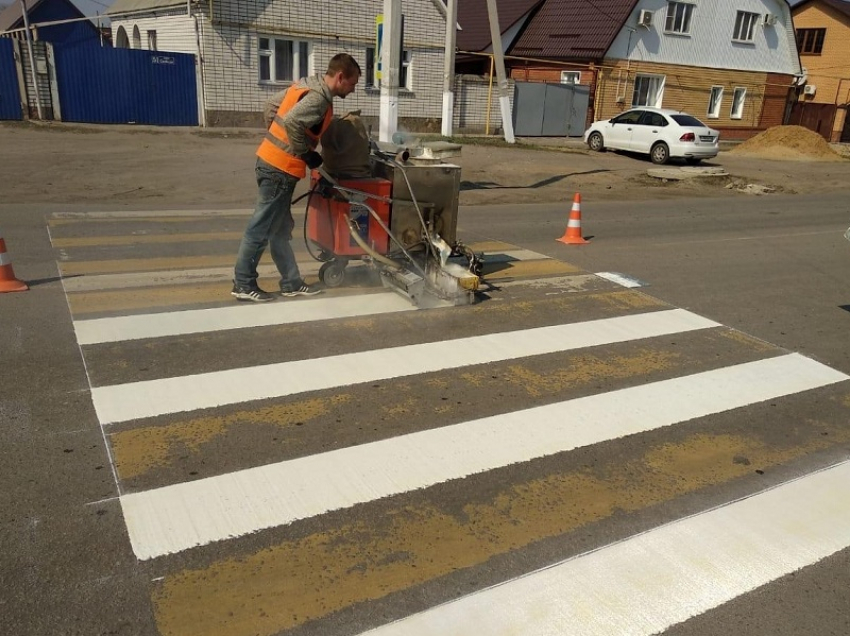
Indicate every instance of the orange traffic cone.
{"type": "Point", "coordinates": [8, 282]}
{"type": "Point", "coordinates": [572, 235]}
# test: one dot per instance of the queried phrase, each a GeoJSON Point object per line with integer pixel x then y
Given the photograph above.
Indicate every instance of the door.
{"type": "Point", "coordinates": [10, 95]}
{"type": "Point", "coordinates": [549, 110]}
{"type": "Point", "coordinates": [648, 131]}
{"type": "Point", "coordinates": [618, 134]}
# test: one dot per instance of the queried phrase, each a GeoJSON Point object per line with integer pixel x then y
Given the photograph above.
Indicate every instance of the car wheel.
{"type": "Point", "coordinates": [660, 153]}
{"type": "Point", "coordinates": [595, 142]}
{"type": "Point", "coordinates": [693, 160]}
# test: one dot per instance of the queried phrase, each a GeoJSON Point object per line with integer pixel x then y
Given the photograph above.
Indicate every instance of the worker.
{"type": "Point", "coordinates": [284, 155]}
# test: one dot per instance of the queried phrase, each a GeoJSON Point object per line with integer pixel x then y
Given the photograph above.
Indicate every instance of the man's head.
{"type": "Point", "coordinates": [342, 74]}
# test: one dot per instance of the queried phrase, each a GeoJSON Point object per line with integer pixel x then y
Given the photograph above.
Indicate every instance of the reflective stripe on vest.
{"type": "Point", "coordinates": [275, 149]}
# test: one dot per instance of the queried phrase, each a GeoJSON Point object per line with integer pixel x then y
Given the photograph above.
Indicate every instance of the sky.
{"type": "Point", "coordinates": [90, 7]}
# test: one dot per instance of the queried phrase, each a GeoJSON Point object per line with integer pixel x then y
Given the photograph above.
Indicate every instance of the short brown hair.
{"type": "Point", "coordinates": [345, 63]}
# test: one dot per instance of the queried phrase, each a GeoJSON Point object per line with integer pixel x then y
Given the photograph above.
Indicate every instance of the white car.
{"type": "Point", "coordinates": [660, 133]}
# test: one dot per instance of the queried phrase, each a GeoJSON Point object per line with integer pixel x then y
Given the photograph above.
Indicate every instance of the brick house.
{"type": "Point", "coordinates": [249, 50]}
{"type": "Point", "coordinates": [732, 63]}
{"type": "Point", "coordinates": [822, 30]}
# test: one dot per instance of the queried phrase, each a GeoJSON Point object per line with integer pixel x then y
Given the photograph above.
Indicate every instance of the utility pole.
{"type": "Point", "coordinates": [32, 58]}
{"type": "Point", "coordinates": [499, 57]}
{"type": "Point", "coordinates": [449, 68]}
{"type": "Point", "coordinates": [390, 63]}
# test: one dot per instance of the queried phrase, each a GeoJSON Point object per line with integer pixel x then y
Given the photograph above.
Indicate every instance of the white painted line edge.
{"type": "Point", "coordinates": [621, 279]}
{"type": "Point", "coordinates": [647, 583]}
{"type": "Point", "coordinates": [182, 516]}
{"type": "Point", "coordinates": [134, 400]}
{"type": "Point", "coordinates": [123, 328]}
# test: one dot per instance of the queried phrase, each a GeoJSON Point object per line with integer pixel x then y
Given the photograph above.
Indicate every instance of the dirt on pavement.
{"type": "Point", "coordinates": [139, 167]}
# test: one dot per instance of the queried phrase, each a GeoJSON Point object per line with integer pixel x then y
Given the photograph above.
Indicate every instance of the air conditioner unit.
{"type": "Point", "coordinates": [645, 18]}
{"type": "Point", "coordinates": [809, 89]}
{"type": "Point", "coordinates": [769, 19]}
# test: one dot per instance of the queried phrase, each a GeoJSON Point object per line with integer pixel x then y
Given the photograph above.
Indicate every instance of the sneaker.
{"type": "Point", "coordinates": [254, 294]}
{"type": "Point", "coordinates": [304, 290]}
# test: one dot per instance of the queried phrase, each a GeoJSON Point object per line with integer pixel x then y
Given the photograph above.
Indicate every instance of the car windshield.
{"type": "Point", "coordinates": [687, 120]}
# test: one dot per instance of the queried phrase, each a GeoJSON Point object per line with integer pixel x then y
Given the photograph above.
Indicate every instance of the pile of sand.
{"type": "Point", "coordinates": [788, 143]}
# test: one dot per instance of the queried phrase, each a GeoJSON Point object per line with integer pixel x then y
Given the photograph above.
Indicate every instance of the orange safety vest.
{"type": "Point", "coordinates": [275, 149]}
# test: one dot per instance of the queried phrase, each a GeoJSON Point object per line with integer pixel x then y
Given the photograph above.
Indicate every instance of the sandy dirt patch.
{"type": "Point", "coordinates": [138, 167]}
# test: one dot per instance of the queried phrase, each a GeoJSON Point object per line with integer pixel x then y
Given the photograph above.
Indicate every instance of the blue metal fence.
{"type": "Point", "coordinates": [10, 95]}
{"type": "Point", "coordinates": [120, 86]}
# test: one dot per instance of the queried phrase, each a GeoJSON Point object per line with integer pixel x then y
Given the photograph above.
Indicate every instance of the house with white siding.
{"type": "Point", "coordinates": [732, 63]}
{"type": "Point", "coordinates": [249, 49]}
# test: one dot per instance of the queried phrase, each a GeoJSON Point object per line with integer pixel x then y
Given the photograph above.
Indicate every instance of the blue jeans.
{"type": "Point", "coordinates": [271, 225]}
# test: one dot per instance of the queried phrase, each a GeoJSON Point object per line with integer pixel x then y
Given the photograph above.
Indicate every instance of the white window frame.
{"type": "Point", "coordinates": [152, 40]}
{"type": "Point", "coordinates": [570, 77]}
{"type": "Point", "coordinates": [715, 100]}
{"type": "Point", "coordinates": [679, 17]}
{"type": "Point", "coordinates": [736, 111]}
{"type": "Point", "coordinates": [654, 90]}
{"type": "Point", "coordinates": [745, 26]}
{"type": "Point", "coordinates": [300, 67]}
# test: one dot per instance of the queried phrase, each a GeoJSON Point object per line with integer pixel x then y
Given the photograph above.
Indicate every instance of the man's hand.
{"type": "Point", "coordinates": [312, 158]}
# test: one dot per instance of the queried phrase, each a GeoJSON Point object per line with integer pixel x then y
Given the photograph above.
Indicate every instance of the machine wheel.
{"type": "Point", "coordinates": [595, 142]}
{"type": "Point", "coordinates": [332, 273]}
{"type": "Point", "coordinates": [660, 153]}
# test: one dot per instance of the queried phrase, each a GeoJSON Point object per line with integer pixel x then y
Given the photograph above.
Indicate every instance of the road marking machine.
{"type": "Point", "coordinates": [399, 216]}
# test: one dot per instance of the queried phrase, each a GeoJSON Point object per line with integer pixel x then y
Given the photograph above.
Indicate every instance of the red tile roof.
{"type": "Point", "coordinates": [475, 23]}
{"type": "Point", "coordinates": [573, 29]}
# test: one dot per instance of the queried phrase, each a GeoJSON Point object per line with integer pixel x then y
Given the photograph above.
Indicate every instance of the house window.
{"type": "Point", "coordinates": [810, 41]}
{"type": "Point", "coordinates": [152, 41]}
{"type": "Point", "coordinates": [283, 60]}
{"type": "Point", "coordinates": [678, 17]}
{"type": "Point", "coordinates": [121, 40]}
{"type": "Point", "coordinates": [137, 38]}
{"type": "Point", "coordinates": [738, 95]}
{"type": "Point", "coordinates": [570, 77]}
{"type": "Point", "coordinates": [714, 101]}
{"type": "Point", "coordinates": [648, 90]}
{"type": "Point", "coordinates": [745, 25]}
{"type": "Point", "coordinates": [405, 75]}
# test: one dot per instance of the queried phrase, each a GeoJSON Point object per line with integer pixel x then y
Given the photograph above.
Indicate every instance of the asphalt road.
{"type": "Point", "coordinates": [200, 476]}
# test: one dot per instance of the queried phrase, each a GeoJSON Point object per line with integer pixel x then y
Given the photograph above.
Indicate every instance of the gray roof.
{"type": "Point", "coordinates": [11, 17]}
{"type": "Point", "coordinates": [128, 6]}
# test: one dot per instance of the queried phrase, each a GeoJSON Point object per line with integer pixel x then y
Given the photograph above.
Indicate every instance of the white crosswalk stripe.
{"type": "Point", "coordinates": [171, 395]}
{"type": "Point", "coordinates": [196, 513]}
{"type": "Point", "coordinates": [641, 585]}
{"type": "Point", "coordinates": [654, 580]}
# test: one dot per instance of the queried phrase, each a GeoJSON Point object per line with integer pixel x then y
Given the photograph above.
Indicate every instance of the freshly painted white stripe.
{"type": "Point", "coordinates": [621, 279]}
{"type": "Point", "coordinates": [560, 284]}
{"type": "Point", "coordinates": [5, 259]}
{"type": "Point", "coordinates": [101, 282]}
{"type": "Point", "coordinates": [122, 402]}
{"type": "Point", "coordinates": [132, 214]}
{"type": "Point", "coordinates": [182, 516]}
{"type": "Point", "coordinates": [506, 256]}
{"type": "Point", "coordinates": [205, 320]}
{"type": "Point", "coordinates": [649, 582]}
